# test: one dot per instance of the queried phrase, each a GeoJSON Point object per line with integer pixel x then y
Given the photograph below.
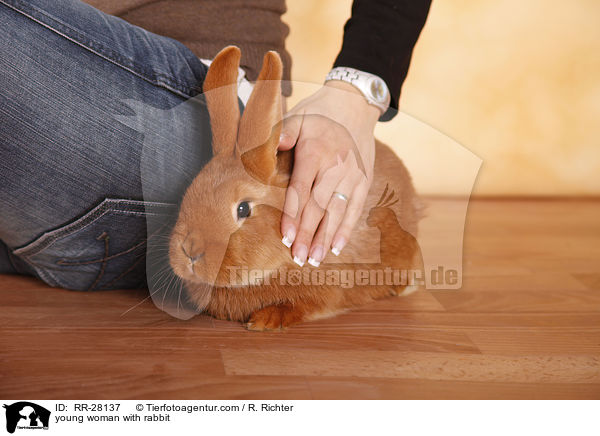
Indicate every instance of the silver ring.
{"type": "Point", "coordinates": [340, 196]}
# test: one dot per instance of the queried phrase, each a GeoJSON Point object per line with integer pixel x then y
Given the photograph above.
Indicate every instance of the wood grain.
{"type": "Point", "coordinates": [526, 324]}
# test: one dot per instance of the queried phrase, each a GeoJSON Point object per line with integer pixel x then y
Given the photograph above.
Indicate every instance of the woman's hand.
{"type": "Point", "coordinates": [332, 131]}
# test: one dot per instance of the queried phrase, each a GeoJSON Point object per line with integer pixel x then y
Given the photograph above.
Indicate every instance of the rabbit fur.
{"type": "Point", "coordinates": [208, 242]}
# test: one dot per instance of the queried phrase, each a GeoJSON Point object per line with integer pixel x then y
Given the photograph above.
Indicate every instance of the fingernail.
{"type": "Point", "coordinates": [300, 255]}
{"type": "Point", "coordinates": [288, 238]}
{"type": "Point", "coordinates": [338, 245]}
{"type": "Point", "coordinates": [313, 262]}
{"type": "Point", "coordinates": [298, 261]}
{"type": "Point", "coordinates": [316, 256]}
{"type": "Point", "coordinates": [282, 137]}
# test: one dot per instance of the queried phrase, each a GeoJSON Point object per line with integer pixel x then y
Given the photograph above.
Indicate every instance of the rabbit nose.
{"type": "Point", "coordinates": [193, 248]}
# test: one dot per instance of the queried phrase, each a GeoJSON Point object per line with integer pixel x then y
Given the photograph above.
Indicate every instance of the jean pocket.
{"type": "Point", "coordinates": [103, 249]}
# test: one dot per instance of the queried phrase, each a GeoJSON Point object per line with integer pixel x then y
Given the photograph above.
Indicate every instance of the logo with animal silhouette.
{"type": "Point", "coordinates": [26, 415]}
{"type": "Point", "coordinates": [230, 215]}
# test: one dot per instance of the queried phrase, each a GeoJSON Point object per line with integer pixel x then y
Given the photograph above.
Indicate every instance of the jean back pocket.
{"type": "Point", "coordinates": [103, 249]}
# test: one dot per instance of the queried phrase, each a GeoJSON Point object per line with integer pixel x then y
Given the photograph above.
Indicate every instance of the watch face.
{"type": "Point", "coordinates": [378, 91]}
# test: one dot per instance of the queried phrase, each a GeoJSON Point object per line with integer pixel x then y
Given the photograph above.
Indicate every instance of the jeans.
{"type": "Point", "coordinates": [102, 126]}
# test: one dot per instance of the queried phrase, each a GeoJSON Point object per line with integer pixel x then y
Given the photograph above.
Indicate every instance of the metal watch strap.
{"type": "Point", "coordinates": [371, 86]}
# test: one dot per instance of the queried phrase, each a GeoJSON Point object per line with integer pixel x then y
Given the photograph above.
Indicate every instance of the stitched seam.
{"type": "Point", "coordinates": [64, 262]}
{"type": "Point", "coordinates": [47, 239]}
{"type": "Point", "coordinates": [134, 247]}
{"type": "Point", "coordinates": [158, 79]}
{"type": "Point", "coordinates": [126, 212]}
{"type": "Point", "coordinates": [141, 202]}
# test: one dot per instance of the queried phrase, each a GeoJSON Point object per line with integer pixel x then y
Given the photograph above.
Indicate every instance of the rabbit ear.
{"type": "Point", "coordinates": [220, 90]}
{"type": "Point", "coordinates": [260, 127]}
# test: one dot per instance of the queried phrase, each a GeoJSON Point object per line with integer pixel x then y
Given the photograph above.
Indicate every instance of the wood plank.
{"type": "Point", "coordinates": [573, 341]}
{"type": "Point", "coordinates": [416, 365]}
{"type": "Point", "coordinates": [547, 301]}
{"type": "Point", "coordinates": [78, 385]}
{"type": "Point", "coordinates": [365, 388]}
{"type": "Point", "coordinates": [505, 321]}
{"type": "Point", "coordinates": [540, 283]}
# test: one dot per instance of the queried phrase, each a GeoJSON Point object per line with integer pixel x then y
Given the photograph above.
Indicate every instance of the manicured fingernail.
{"type": "Point", "coordinates": [338, 245]}
{"type": "Point", "coordinates": [300, 255]}
{"type": "Point", "coordinates": [313, 262]}
{"type": "Point", "coordinates": [298, 261]}
{"type": "Point", "coordinates": [316, 256]}
{"type": "Point", "coordinates": [288, 238]}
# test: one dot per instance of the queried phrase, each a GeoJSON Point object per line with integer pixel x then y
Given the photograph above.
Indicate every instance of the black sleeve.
{"type": "Point", "coordinates": [379, 38]}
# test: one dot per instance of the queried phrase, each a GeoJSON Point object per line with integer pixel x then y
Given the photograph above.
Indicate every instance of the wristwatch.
{"type": "Point", "coordinates": [371, 86]}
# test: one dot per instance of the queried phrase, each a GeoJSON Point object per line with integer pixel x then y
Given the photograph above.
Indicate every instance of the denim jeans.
{"type": "Point", "coordinates": [101, 126]}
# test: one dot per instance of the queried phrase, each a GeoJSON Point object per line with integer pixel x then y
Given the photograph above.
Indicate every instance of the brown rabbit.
{"type": "Point", "coordinates": [211, 244]}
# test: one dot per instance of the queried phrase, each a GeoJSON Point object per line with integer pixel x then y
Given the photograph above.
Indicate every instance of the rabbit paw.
{"type": "Point", "coordinates": [274, 318]}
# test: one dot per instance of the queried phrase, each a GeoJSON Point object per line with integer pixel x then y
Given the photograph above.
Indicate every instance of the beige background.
{"type": "Point", "coordinates": [516, 83]}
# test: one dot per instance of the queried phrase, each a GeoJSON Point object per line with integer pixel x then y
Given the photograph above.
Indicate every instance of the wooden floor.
{"type": "Point", "coordinates": [526, 324]}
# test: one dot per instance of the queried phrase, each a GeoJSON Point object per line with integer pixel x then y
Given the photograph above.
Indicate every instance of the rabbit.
{"type": "Point", "coordinates": [210, 239]}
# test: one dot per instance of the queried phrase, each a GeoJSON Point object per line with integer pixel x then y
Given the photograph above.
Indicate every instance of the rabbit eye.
{"type": "Point", "coordinates": [243, 210]}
